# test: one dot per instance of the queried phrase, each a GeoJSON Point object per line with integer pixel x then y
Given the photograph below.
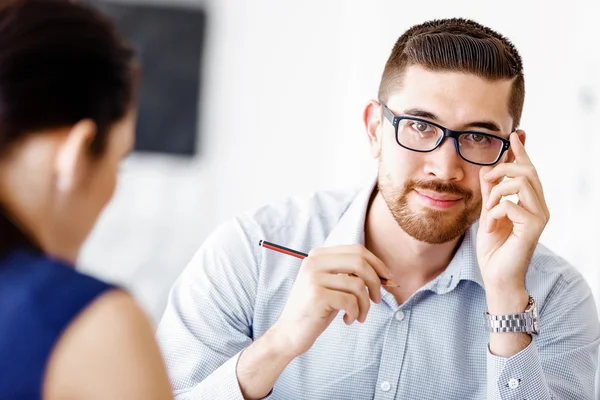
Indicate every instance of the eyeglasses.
{"type": "Point", "coordinates": [424, 136]}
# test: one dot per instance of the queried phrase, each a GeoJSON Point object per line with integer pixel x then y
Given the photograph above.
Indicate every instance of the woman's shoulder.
{"type": "Point", "coordinates": [115, 340]}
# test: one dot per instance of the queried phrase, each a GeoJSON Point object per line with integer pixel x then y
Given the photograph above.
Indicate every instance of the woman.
{"type": "Point", "coordinates": [67, 117]}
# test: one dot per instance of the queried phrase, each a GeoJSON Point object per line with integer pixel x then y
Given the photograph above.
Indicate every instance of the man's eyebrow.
{"type": "Point", "coordinates": [420, 113]}
{"type": "Point", "coordinates": [417, 112]}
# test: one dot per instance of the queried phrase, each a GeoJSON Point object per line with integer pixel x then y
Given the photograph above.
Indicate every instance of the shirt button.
{"type": "Point", "coordinates": [385, 386]}
{"type": "Point", "coordinates": [399, 315]}
{"type": "Point", "coordinates": [513, 383]}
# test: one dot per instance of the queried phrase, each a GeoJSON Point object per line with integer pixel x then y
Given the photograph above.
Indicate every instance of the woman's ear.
{"type": "Point", "coordinates": [72, 157]}
{"type": "Point", "coordinates": [522, 137]}
{"type": "Point", "coordinates": [372, 120]}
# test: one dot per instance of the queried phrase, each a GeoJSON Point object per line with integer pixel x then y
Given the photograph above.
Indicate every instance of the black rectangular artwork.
{"type": "Point", "coordinates": [169, 41]}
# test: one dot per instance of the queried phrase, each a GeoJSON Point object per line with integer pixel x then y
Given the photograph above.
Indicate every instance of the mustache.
{"type": "Point", "coordinates": [439, 187]}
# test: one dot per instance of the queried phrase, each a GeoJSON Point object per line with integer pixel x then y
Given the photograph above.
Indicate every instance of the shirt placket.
{"type": "Point", "coordinates": [393, 351]}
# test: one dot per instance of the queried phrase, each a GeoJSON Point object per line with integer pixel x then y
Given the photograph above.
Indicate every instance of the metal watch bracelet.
{"type": "Point", "coordinates": [526, 322]}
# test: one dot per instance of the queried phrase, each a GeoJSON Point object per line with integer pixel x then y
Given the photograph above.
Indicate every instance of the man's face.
{"type": "Point", "coordinates": [436, 196]}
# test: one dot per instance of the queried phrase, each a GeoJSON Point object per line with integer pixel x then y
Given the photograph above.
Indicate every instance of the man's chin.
{"type": "Point", "coordinates": [435, 236]}
{"type": "Point", "coordinates": [435, 227]}
{"type": "Point", "coordinates": [448, 214]}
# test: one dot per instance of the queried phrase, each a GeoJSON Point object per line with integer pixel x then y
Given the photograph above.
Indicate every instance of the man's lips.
{"type": "Point", "coordinates": [439, 196]}
{"type": "Point", "coordinates": [439, 200]}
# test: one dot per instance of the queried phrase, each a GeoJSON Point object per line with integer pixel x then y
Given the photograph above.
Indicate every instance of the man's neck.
{"type": "Point", "coordinates": [412, 262]}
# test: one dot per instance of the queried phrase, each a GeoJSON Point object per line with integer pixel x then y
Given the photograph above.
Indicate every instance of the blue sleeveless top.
{"type": "Point", "coordinates": [39, 297]}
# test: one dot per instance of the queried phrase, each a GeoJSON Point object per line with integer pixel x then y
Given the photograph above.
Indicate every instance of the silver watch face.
{"type": "Point", "coordinates": [533, 309]}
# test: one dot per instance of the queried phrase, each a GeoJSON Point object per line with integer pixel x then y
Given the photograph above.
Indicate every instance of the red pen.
{"type": "Point", "coordinates": [300, 255]}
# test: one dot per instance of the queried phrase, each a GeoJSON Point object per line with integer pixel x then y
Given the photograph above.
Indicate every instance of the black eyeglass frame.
{"type": "Point", "coordinates": [395, 121]}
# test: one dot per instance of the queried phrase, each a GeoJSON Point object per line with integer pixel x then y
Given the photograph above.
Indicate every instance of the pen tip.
{"type": "Point", "coordinates": [260, 242]}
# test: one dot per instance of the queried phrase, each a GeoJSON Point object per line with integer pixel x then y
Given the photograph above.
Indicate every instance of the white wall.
{"type": "Point", "coordinates": [285, 86]}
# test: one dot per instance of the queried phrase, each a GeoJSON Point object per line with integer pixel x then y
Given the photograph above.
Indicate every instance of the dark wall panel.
{"type": "Point", "coordinates": [169, 41]}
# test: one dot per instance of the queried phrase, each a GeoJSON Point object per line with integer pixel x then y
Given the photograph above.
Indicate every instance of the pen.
{"type": "Point", "coordinates": [300, 255]}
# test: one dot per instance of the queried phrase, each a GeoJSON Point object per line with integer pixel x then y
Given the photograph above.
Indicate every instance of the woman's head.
{"type": "Point", "coordinates": [67, 118]}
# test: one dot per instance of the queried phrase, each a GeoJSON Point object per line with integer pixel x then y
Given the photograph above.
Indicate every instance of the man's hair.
{"type": "Point", "coordinates": [458, 45]}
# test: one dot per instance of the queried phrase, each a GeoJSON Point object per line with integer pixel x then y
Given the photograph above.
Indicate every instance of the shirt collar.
{"type": "Point", "coordinates": [350, 229]}
{"type": "Point", "coordinates": [463, 266]}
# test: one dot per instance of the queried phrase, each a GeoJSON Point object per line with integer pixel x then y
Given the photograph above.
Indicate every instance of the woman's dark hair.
{"type": "Point", "coordinates": [61, 61]}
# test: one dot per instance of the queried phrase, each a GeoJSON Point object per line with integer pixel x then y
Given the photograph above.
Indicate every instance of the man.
{"type": "Point", "coordinates": [462, 323]}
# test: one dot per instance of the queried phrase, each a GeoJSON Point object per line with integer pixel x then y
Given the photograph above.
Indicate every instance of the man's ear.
{"type": "Point", "coordinates": [372, 120]}
{"type": "Point", "coordinates": [522, 137]}
{"type": "Point", "coordinates": [73, 155]}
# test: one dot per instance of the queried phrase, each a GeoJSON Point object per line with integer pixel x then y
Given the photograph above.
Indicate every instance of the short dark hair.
{"type": "Point", "coordinates": [61, 61]}
{"type": "Point", "coordinates": [459, 45]}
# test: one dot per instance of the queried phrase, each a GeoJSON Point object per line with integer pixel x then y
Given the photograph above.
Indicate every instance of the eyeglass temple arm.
{"type": "Point", "coordinates": [387, 113]}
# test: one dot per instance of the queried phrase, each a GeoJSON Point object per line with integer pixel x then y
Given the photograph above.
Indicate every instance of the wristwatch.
{"type": "Point", "coordinates": [526, 322]}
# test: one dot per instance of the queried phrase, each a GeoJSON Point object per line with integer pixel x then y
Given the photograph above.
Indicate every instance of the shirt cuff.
{"type": "Point", "coordinates": [518, 377]}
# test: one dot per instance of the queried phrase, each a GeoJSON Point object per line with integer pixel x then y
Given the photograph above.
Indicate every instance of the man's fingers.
{"type": "Point", "coordinates": [486, 189]}
{"type": "Point", "coordinates": [351, 285]}
{"type": "Point", "coordinates": [520, 170]}
{"type": "Point", "coordinates": [351, 264]}
{"type": "Point", "coordinates": [343, 301]}
{"type": "Point", "coordinates": [486, 185]}
{"type": "Point", "coordinates": [518, 216]}
{"type": "Point", "coordinates": [522, 188]}
{"type": "Point", "coordinates": [356, 249]}
{"type": "Point", "coordinates": [521, 156]}
{"type": "Point", "coordinates": [512, 170]}
{"type": "Point", "coordinates": [380, 268]}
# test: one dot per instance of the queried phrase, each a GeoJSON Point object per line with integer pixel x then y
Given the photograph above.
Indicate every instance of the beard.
{"type": "Point", "coordinates": [429, 225]}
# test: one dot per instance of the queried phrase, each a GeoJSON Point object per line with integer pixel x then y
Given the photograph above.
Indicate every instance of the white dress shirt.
{"type": "Point", "coordinates": [434, 346]}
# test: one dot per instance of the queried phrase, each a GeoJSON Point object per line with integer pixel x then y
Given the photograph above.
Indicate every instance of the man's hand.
{"type": "Point", "coordinates": [508, 233]}
{"type": "Point", "coordinates": [330, 280]}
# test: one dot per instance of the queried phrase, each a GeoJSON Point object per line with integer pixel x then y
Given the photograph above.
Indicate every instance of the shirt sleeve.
{"type": "Point", "coordinates": [208, 319]}
{"type": "Point", "coordinates": [560, 362]}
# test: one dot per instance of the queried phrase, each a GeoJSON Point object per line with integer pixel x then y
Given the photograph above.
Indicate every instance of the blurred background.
{"type": "Point", "coordinates": [247, 102]}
